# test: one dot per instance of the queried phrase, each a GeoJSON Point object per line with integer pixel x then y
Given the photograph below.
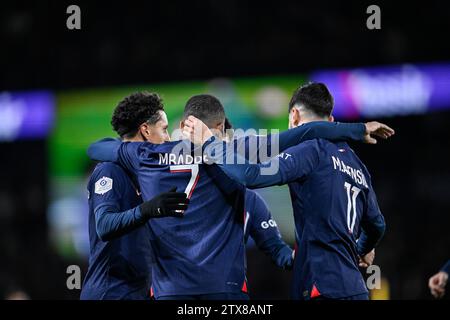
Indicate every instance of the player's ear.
{"type": "Point", "coordinates": [296, 118]}
{"type": "Point", "coordinates": [181, 124]}
{"type": "Point", "coordinates": [221, 128]}
{"type": "Point", "coordinates": [331, 118]}
{"type": "Point", "coordinates": [144, 129]}
{"type": "Point", "coordinates": [291, 119]}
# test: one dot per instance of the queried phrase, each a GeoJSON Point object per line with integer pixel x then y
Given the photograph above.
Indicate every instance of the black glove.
{"type": "Point", "coordinates": [166, 204]}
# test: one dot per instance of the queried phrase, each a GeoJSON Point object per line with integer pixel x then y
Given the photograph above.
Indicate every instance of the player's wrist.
{"type": "Point", "coordinates": [444, 274]}
{"type": "Point", "coordinates": [149, 209]}
{"type": "Point", "coordinates": [213, 149]}
{"type": "Point", "coordinates": [209, 140]}
{"type": "Point", "coordinates": [138, 214]}
{"type": "Point", "coordinates": [362, 251]}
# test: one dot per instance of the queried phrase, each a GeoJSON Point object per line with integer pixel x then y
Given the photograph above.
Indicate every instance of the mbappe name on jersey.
{"type": "Point", "coordinates": [176, 159]}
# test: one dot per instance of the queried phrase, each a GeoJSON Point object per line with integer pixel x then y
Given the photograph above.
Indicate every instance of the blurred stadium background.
{"type": "Point", "coordinates": [58, 89]}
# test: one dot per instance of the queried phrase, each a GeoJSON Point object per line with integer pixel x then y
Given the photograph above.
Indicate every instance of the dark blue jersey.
{"type": "Point", "coordinates": [259, 223]}
{"type": "Point", "coordinates": [121, 267]}
{"type": "Point", "coordinates": [262, 228]}
{"type": "Point", "coordinates": [257, 219]}
{"type": "Point", "coordinates": [446, 267]}
{"type": "Point", "coordinates": [333, 200]}
{"type": "Point", "coordinates": [332, 197]}
{"type": "Point", "coordinates": [203, 252]}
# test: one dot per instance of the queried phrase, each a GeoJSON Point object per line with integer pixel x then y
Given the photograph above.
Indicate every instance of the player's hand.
{"type": "Point", "coordinates": [166, 204]}
{"type": "Point", "coordinates": [377, 129]}
{"type": "Point", "coordinates": [437, 284]}
{"type": "Point", "coordinates": [195, 130]}
{"type": "Point", "coordinates": [367, 260]}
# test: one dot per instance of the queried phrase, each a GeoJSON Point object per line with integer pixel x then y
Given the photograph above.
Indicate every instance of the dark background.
{"type": "Point", "coordinates": [149, 41]}
{"type": "Point", "coordinates": [146, 42]}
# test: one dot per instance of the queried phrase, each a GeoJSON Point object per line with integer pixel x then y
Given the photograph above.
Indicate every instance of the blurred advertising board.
{"type": "Point", "coordinates": [387, 91]}
{"type": "Point", "coordinates": [26, 115]}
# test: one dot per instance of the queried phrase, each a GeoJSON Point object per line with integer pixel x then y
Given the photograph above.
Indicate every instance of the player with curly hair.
{"type": "Point", "coordinates": [120, 252]}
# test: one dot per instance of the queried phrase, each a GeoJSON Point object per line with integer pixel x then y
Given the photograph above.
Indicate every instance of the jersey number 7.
{"type": "Point", "coordinates": [193, 169]}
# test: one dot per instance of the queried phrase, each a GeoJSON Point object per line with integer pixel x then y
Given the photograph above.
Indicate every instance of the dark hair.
{"type": "Point", "coordinates": [134, 110]}
{"type": "Point", "coordinates": [314, 97]}
{"type": "Point", "coordinates": [227, 124]}
{"type": "Point", "coordinates": [205, 107]}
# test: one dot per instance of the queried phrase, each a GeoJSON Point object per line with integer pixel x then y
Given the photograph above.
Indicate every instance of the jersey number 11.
{"type": "Point", "coordinates": [352, 193]}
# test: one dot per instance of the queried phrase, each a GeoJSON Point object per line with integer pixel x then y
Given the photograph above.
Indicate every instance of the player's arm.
{"type": "Point", "coordinates": [280, 142]}
{"type": "Point", "coordinates": [372, 224]}
{"type": "Point", "coordinates": [438, 282]}
{"type": "Point", "coordinates": [255, 148]}
{"type": "Point", "coordinates": [233, 191]}
{"type": "Point", "coordinates": [293, 164]}
{"type": "Point", "coordinates": [114, 150]}
{"type": "Point", "coordinates": [446, 267]}
{"type": "Point", "coordinates": [106, 149]}
{"type": "Point", "coordinates": [268, 241]}
{"type": "Point", "coordinates": [334, 131]}
{"type": "Point", "coordinates": [261, 148]}
{"type": "Point", "coordinates": [264, 230]}
{"type": "Point", "coordinates": [111, 224]}
{"type": "Point", "coordinates": [281, 254]}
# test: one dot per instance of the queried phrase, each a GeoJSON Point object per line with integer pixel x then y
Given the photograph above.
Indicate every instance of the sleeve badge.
{"type": "Point", "coordinates": [103, 185]}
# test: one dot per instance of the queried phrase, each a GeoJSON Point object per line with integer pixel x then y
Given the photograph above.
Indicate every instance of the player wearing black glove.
{"type": "Point", "coordinates": [167, 204]}
{"type": "Point", "coordinates": [112, 223]}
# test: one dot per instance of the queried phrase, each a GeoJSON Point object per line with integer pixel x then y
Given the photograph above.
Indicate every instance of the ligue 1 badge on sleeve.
{"type": "Point", "coordinates": [103, 185]}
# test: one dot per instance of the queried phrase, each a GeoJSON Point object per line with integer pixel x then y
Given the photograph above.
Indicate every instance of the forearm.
{"type": "Point", "coordinates": [261, 148]}
{"type": "Point", "coordinates": [334, 131]}
{"type": "Point", "coordinates": [104, 150]}
{"type": "Point", "coordinates": [241, 163]}
{"type": "Point", "coordinates": [250, 175]}
{"type": "Point", "coordinates": [111, 224]}
{"type": "Point", "coordinates": [279, 252]}
{"type": "Point", "coordinates": [233, 191]}
{"type": "Point", "coordinates": [226, 165]}
{"type": "Point", "coordinates": [228, 186]}
{"type": "Point", "coordinates": [371, 234]}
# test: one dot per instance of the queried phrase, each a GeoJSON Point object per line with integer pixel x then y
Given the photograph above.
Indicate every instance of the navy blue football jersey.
{"type": "Point", "coordinates": [203, 252]}
{"type": "Point", "coordinates": [121, 267]}
{"type": "Point", "coordinates": [262, 228]}
{"type": "Point", "coordinates": [259, 223]}
{"type": "Point", "coordinates": [332, 196]}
